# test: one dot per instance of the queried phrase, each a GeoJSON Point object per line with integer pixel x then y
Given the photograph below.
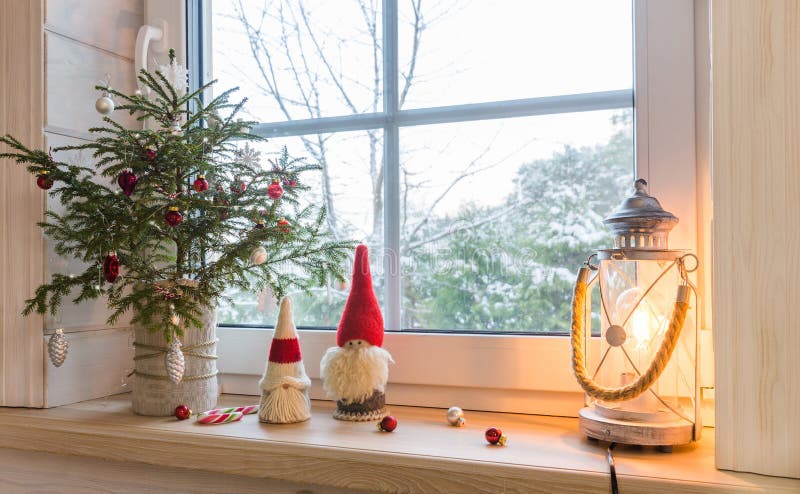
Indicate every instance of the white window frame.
{"type": "Point", "coordinates": [524, 374]}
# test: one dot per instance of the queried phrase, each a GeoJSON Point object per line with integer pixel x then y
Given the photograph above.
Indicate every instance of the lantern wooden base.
{"type": "Point", "coordinates": [662, 434]}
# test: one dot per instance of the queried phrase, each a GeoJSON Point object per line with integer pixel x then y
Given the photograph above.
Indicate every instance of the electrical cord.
{"type": "Point", "coordinates": [612, 469]}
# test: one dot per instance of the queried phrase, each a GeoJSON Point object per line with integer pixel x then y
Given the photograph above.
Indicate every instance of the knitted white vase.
{"type": "Point", "coordinates": [153, 393]}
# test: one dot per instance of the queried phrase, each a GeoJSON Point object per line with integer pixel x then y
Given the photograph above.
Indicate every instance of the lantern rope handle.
{"type": "Point", "coordinates": [657, 365]}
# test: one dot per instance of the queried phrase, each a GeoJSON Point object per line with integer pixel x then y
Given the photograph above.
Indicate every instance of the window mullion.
{"type": "Point", "coordinates": [391, 163]}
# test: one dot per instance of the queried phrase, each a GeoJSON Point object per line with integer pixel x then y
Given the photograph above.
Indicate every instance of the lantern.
{"type": "Point", "coordinates": [642, 385]}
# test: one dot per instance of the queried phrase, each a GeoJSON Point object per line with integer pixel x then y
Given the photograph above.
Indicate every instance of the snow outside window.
{"type": "Point", "coordinates": [474, 146]}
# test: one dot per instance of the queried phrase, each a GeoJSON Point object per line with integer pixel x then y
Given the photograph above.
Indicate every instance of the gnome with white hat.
{"type": "Point", "coordinates": [356, 371]}
{"type": "Point", "coordinates": [284, 387]}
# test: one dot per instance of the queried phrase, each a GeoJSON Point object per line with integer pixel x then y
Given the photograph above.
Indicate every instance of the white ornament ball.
{"type": "Point", "coordinates": [258, 256]}
{"type": "Point", "coordinates": [176, 129]}
{"type": "Point", "coordinates": [455, 417]}
{"type": "Point", "coordinates": [104, 105]}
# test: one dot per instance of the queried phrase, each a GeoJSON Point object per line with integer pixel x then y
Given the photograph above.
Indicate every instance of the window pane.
{"type": "Point", "coordinates": [498, 216]}
{"type": "Point", "coordinates": [298, 60]}
{"type": "Point", "coordinates": [350, 187]}
{"type": "Point", "coordinates": [470, 52]}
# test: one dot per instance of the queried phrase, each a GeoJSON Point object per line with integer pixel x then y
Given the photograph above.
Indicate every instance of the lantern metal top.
{"type": "Point", "coordinates": [640, 222]}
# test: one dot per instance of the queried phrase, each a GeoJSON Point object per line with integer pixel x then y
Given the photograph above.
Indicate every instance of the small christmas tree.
{"type": "Point", "coordinates": [174, 214]}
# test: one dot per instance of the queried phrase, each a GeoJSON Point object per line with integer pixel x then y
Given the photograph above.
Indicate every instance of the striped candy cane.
{"type": "Point", "coordinates": [223, 418]}
{"type": "Point", "coordinates": [243, 410]}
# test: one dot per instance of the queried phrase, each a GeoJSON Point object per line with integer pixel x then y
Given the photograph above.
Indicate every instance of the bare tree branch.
{"type": "Point", "coordinates": [419, 26]}
{"type": "Point", "coordinates": [336, 81]}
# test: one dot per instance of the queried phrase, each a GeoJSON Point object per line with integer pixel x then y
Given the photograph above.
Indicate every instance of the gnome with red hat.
{"type": "Point", "coordinates": [284, 387]}
{"type": "Point", "coordinates": [356, 371]}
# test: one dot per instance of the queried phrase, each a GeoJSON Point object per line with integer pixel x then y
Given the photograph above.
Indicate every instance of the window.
{"type": "Point", "coordinates": [484, 143]}
{"type": "Point", "coordinates": [487, 163]}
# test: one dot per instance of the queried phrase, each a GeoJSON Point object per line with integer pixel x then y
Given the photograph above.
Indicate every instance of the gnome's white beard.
{"type": "Point", "coordinates": [284, 398]}
{"type": "Point", "coordinates": [353, 374]}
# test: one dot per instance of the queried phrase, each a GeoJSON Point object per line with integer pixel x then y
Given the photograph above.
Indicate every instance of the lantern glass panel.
{"type": "Point", "coordinates": [639, 296]}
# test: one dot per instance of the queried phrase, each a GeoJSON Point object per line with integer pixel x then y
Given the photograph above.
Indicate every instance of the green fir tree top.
{"type": "Point", "coordinates": [186, 168]}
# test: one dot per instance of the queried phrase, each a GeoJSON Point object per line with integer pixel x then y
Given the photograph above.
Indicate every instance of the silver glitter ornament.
{"type": "Point", "coordinates": [57, 347]}
{"type": "Point", "coordinates": [104, 105]}
{"type": "Point", "coordinates": [174, 362]}
{"type": "Point", "coordinates": [455, 417]}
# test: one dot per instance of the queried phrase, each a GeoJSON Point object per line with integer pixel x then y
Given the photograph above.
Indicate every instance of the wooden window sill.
{"type": "Point", "coordinates": [424, 454]}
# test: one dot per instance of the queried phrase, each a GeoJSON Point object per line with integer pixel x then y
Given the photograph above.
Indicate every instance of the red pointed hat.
{"type": "Point", "coordinates": [285, 348]}
{"type": "Point", "coordinates": [361, 319]}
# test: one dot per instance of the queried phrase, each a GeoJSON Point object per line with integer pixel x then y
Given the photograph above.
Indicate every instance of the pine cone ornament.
{"type": "Point", "coordinates": [57, 347]}
{"type": "Point", "coordinates": [174, 362]}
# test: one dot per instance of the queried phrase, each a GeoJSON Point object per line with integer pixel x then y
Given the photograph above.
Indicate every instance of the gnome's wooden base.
{"type": "Point", "coordinates": [373, 408]}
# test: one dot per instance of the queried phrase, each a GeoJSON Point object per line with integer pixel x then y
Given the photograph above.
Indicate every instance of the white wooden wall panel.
{"type": "Point", "coordinates": [48, 80]}
{"type": "Point", "coordinates": [756, 193]}
{"type": "Point", "coordinates": [92, 314]}
{"type": "Point", "coordinates": [73, 69]}
{"type": "Point", "coordinates": [85, 40]}
{"type": "Point", "coordinates": [106, 24]}
{"type": "Point", "coordinates": [97, 365]}
{"type": "Point", "coordinates": [21, 204]}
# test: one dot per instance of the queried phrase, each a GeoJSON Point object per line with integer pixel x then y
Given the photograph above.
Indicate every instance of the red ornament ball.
{"type": "Point", "coordinates": [182, 412]}
{"type": "Point", "coordinates": [388, 424]}
{"type": "Point", "coordinates": [238, 189]}
{"type": "Point", "coordinates": [275, 191]}
{"type": "Point", "coordinates": [200, 184]}
{"type": "Point", "coordinates": [173, 216]}
{"type": "Point", "coordinates": [284, 225]}
{"type": "Point", "coordinates": [150, 154]}
{"type": "Point", "coordinates": [111, 267]}
{"type": "Point", "coordinates": [495, 436]}
{"type": "Point", "coordinates": [127, 181]}
{"type": "Point", "coordinates": [44, 181]}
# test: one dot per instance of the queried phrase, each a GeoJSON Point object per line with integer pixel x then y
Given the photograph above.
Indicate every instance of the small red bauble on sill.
{"type": "Point", "coordinates": [495, 436]}
{"type": "Point", "coordinates": [388, 424]}
{"type": "Point", "coordinates": [182, 412]}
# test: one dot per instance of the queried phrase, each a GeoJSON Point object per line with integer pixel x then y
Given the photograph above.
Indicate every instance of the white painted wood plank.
{"type": "Point", "coordinates": [97, 365]}
{"type": "Point", "coordinates": [73, 69]}
{"type": "Point", "coordinates": [108, 24]}
{"type": "Point", "coordinates": [756, 187]}
{"type": "Point", "coordinates": [91, 314]}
